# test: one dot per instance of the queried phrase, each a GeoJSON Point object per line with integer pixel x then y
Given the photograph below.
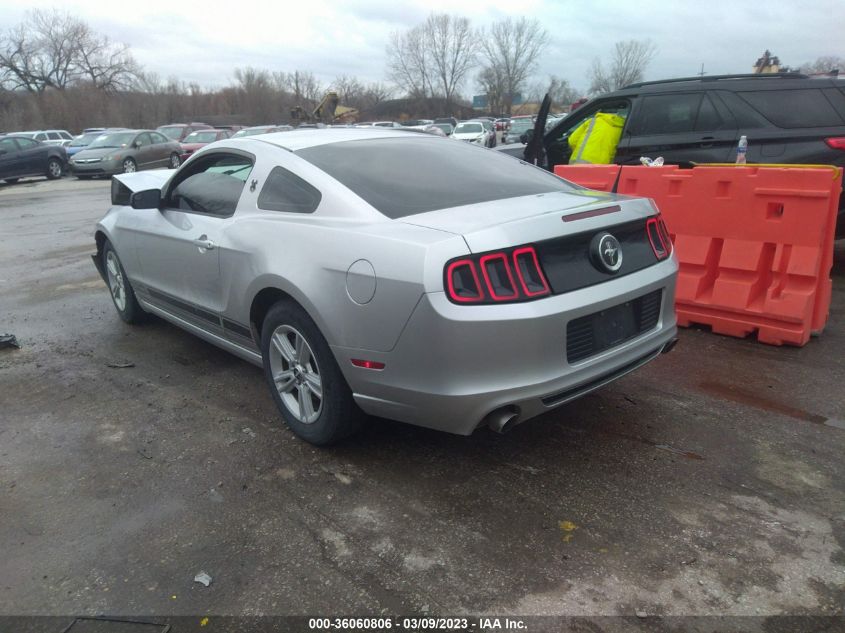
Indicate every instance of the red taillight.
{"type": "Point", "coordinates": [836, 142]}
{"type": "Point", "coordinates": [508, 276]}
{"type": "Point", "coordinates": [660, 244]}
{"type": "Point", "coordinates": [462, 282]}
{"type": "Point", "coordinates": [367, 364]}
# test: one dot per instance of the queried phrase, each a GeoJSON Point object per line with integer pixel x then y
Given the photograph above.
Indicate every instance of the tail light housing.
{"type": "Point", "coordinates": [658, 237]}
{"type": "Point", "coordinates": [506, 276]}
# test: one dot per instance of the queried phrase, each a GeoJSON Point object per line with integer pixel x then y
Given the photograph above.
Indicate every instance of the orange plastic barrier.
{"type": "Point", "coordinates": [755, 244]}
{"type": "Point", "coordinates": [598, 177]}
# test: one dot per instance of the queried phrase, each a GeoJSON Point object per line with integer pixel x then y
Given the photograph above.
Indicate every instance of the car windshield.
{"type": "Point", "coordinates": [121, 139]}
{"type": "Point", "coordinates": [85, 139]}
{"type": "Point", "coordinates": [377, 171]}
{"type": "Point", "coordinates": [201, 137]}
{"type": "Point", "coordinates": [446, 127]}
{"type": "Point", "coordinates": [171, 132]}
{"type": "Point", "coordinates": [469, 128]}
{"type": "Point", "coordinates": [520, 125]}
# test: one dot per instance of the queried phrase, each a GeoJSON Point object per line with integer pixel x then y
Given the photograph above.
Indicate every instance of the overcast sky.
{"type": "Point", "coordinates": [204, 41]}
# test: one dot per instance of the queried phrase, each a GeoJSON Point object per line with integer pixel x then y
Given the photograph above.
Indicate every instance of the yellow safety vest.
{"type": "Point", "coordinates": [594, 141]}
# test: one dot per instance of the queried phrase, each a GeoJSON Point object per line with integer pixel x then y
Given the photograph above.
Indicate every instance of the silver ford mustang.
{"type": "Point", "coordinates": [395, 274]}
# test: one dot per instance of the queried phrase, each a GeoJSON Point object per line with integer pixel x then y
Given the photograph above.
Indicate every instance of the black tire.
{"type": "Point", "coordinates": [175, 161]}
{"type": "Point", "coordinates": [339, 416]}
{"type": "Point", "coordinates": [54, 169]}
{"type": "Point", "coordinates": [130, 310]}
{"type": "Point", "coordinates": [12, 181]}
{"type": "Point", "coordinates": [129, 166]}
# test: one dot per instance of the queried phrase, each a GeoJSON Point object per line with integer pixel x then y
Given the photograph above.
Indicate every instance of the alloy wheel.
{"type": "Point", "coordinates": [296, 374]}
{"type": "Point", "coordinates": [116, 284]}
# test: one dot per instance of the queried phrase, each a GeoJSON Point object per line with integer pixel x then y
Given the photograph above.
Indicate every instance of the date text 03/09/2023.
{"type": "Point", "coordinates": [424, 623]}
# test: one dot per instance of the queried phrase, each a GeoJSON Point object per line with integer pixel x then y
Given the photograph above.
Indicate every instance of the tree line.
{"type": "Point", "coordinates": [56, 71]}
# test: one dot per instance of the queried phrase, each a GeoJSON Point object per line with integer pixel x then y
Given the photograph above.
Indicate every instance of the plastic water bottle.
{"type": "Point", "coordinates": [741, 150]}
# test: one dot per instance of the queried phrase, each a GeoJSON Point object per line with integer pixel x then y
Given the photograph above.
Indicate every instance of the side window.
{"type": "Point", "coordinates": [709, 118]}
{"type": "Point", "coordinates": [285, 191]}
{"type": "Point", "coordinates": [158, 138]}
{"type": "Point", "coordinates": [66, 136]}
{"type": "Point", "coordinates": [41, 137]}
{"type": "Point", "coordinates": [212, 185]}
{"type": "Point", "coordinates": [667, 114]}
{"type": "Point", "coordinates": [8, 145]}
{"type": "Point", "coordinates": [746, 116]}
{"type": "Point", "coordinates": [27, 143]}
{"type": "Point", "coordinates": [794, 108]}
{"type": "Point", "coordinates": [143, 139]}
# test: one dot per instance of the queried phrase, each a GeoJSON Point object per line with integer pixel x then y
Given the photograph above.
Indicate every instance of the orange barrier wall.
{"type": "Point", "coordinates": [755, 244]}
{"type": "Point", "coordinates": [598, 177]}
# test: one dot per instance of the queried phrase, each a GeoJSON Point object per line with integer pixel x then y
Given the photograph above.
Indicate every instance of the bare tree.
{"type": "Point", "coordinates": [56, 50]}
{"type": "Point", "coordinates": [627, 66]}
{"type": "Point", "coordinates": [452, 47]}
{"type": "Point", "coordinates": [408, 64]}
{"type": "Point", "coordinates": [511, 48]}
{"type": "Point", "coordinates": [493, 86]}
{"type": "Point", "coordinates": [306, 88]}
{"type": "Point", "coordinates": [823, 65]}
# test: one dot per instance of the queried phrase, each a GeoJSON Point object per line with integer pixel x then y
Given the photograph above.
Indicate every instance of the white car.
{"type": "Point", "coordinates": [49, 137]}
{"type": "Point", "coordinates": [474, 132]}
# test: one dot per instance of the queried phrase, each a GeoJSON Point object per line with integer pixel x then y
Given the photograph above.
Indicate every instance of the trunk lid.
{"type": "Point", "coordinates": [528, 219]}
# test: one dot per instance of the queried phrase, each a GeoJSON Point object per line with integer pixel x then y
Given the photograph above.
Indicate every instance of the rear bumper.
{"type": "Point", "coordinates": [453, 364]}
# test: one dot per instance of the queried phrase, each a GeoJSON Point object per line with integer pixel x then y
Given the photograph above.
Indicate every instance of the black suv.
{"type": "Point", "coordinates": [787, 118]}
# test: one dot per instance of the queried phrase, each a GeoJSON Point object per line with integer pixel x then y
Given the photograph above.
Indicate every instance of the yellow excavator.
{"type": "Point", "coordinates": [327, 111]}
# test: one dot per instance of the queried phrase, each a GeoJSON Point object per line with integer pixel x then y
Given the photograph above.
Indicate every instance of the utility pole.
{"type": "Point", "coordinates": [702, 73]}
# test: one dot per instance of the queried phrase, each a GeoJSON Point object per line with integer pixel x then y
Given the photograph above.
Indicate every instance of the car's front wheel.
{"type": "Point", "coordinates": [129, 166]}
{"type": "Point", "coordinates": [122, 294]}
{"type": "Point", "coordinates": [174, 160]}
{"type": "Point", "coordinates": [54, 168]}
{"type": "Point", "coordinates": [307, 385]}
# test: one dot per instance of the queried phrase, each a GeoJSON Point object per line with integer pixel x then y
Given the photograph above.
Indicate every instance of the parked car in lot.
{"type": "Point", "coordinates": [260, 129]}
{"type": "Point", "coordinates": [49, 137]}
{"type": "Point", "coordinates": [125, 152]}
{"type": "Point", "coordinates": [201, 138]}
{"type": "Point", "coordinates": [358, 289]}
{"type": "Point", "coordinates": [502, 124]}
{"type": "Point", "coordinates": [475, 132]}
{"type": "Point", "coordinates": [178, 131]}
{"type": "Point", "coordinates": [21, 157]}
{"type": "Point", "coordinates": [86, 138]}
{"type": "Point", "coordinates": [518, 126]}
{"type": "Point", "coordinates": [787, 118]}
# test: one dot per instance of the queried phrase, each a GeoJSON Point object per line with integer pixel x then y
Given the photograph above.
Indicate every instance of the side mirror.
{"type": "Point", "coordinates": [526, 137]}
{"type": "Point", "coordinates": [136, 145]}
{"type": "Point", "coordinates": [147, 199]}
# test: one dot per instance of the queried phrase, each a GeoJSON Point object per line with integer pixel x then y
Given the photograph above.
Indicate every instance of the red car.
{"type": "Point", "coordinates": [200, 138]}
{"type": "Point", "coordinates": [178, 131]}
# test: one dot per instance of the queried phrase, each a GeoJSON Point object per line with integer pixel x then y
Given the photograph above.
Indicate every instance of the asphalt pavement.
{"type": "Point", "coordinates": [132, 458]}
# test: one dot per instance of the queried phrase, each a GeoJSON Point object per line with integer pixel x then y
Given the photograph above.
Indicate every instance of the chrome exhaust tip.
{"type": "Point", "coordinates": [503, 419]}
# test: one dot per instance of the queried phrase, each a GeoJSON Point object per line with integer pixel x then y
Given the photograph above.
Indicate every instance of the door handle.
{"type": "Point", "coordinates": [203, 243]}
{"type": "Point", "coordinates": [707, 141]}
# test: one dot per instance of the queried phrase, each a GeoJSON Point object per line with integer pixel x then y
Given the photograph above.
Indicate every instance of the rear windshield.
{"type": "Point", "coordinates": [445, 173]}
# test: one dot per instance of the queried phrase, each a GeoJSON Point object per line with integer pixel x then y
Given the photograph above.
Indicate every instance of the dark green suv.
{"type": "Point", "coordinates": [787, 118]}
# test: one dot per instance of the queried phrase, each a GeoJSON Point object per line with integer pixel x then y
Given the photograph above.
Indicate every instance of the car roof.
{"type": "Point", "coordinates": [771, 81]}
{"type": "Point", "coordinates": [300, 139]}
